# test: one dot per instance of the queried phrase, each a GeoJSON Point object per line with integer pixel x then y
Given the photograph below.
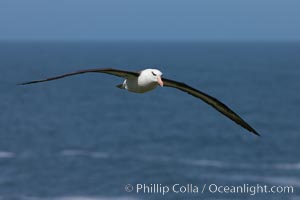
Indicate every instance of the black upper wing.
{"type": "Point", "coordinates": [115, 72]}
{"type": "Point", "coordinates": [211, 101]}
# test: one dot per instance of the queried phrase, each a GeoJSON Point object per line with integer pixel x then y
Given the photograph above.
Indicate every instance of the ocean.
{"type": "Point", "coordinates": [82, 138]}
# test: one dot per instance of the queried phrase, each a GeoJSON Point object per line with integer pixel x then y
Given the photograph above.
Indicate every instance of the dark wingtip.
{"type": "Point", "coordinates": [254, 132]}
{"type": "Point", "coordinates": [31, 82]}
{"type": "Point", "coordinates": [24, 83]}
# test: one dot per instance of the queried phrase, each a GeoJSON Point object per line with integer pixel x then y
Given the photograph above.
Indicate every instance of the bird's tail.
{"type": "Point", "coordinates": [121, 86]}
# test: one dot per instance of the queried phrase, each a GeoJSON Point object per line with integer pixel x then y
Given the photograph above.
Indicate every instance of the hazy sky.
{"type": "Point", "coordinates": [150, 20]}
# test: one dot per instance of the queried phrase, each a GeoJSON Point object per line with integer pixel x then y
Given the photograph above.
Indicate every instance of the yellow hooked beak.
{"type": "Point", "coordinates": [159, 81]}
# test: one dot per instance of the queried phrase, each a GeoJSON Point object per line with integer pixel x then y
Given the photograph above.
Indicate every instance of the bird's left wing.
{"type": "Point", "coordinates": [115, 72]}
{"type": "Point", "coordinates": [222, 108]}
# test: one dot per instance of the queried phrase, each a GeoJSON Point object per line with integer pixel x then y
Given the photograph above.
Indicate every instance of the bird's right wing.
{"type": "Point", "coordinates": [115, 72]}
{"type": "Point", "coordinates": [219, 106]}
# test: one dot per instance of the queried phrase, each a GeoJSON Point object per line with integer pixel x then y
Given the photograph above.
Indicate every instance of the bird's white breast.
{"type": "Point", "coordinates": [139, 85]}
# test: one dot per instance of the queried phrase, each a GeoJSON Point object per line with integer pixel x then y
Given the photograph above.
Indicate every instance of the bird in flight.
{"type": "Point", "coordinates": [148, 79]}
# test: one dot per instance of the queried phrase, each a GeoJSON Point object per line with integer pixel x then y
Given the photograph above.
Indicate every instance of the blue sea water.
{"type": "Point", "coordinates": [83, 138]}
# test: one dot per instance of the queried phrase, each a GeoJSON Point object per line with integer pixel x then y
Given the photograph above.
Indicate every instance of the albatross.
{"type": "Point", "coordinates": [148, 79]}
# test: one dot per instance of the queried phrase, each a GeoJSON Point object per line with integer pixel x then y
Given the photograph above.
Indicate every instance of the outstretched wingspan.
{"type": "Point", "coordinates": [168, 83]}
{"type": "Point", "coordinates": [115, 72]}
{"type": "Point", "coordinates": [222, 108]}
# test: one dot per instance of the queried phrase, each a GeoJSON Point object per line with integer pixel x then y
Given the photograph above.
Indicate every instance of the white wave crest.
{"type": "Point", "coordinates": [77, 152]}
{"type": "Point", "coordinates": [288, 166]}
{"type": "Point", "coordinates": [206, 163]}
{"type": "Point", "coordinates": [7, 154]}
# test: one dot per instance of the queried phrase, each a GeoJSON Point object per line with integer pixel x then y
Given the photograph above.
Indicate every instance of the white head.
{"type": "Point", "coordinates": [154, 75]}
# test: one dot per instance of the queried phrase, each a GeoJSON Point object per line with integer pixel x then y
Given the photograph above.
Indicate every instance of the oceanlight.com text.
{"type": "Point", "coordinates": [249, 189]}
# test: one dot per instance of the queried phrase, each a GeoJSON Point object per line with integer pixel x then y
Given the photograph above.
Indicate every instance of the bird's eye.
{"type": "Point", "coordinates": [153, 73]}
